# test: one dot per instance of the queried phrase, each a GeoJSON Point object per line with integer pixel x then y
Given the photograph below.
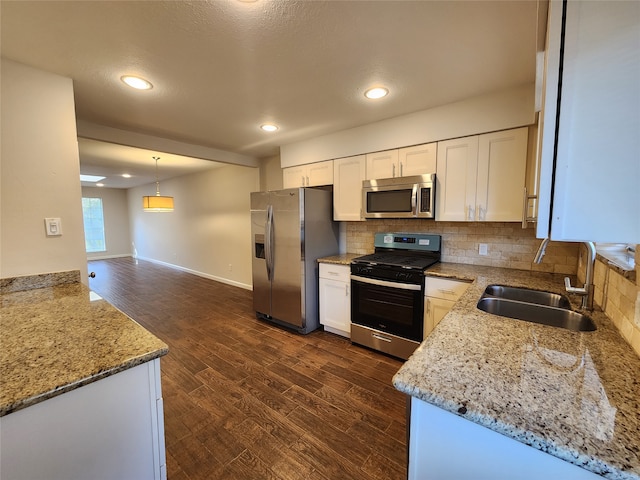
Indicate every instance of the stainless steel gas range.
{"type": "Point", "coordinates": [387, 292]}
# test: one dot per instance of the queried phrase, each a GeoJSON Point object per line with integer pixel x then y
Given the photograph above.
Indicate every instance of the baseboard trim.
{"type": "Point", "coordinates": [200, 274]}
{"type": "Point", "coordinates": [106, 257]}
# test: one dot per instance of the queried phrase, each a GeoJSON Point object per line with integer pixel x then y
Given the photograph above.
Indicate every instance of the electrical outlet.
{"type": "Point", "coordinates": [230, 267]}
{"type": "Point", "coordinates": [483, 249]}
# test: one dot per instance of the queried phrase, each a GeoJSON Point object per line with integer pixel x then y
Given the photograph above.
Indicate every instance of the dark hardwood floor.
{"type": "Point", "coordinates": [247, 400]}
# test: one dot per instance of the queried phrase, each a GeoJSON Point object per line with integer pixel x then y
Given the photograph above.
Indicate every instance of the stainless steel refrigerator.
{"type": "Point", "coordinates": [290, 230]}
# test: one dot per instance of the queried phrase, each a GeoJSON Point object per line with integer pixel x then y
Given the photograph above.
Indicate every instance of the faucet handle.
{"type": "Point", "coordinates": [570, 289]}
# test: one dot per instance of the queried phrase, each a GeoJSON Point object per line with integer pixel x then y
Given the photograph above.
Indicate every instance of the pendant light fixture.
{"type": "Point", "coordinates": [157, 203]}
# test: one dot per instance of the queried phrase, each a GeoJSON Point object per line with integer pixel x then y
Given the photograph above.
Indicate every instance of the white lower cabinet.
{"type": "Point", "coordinates": [439, 296]}
{"type": "Point", "coordinates": [109, 429]}
{"type": "Point", "coordinates": [335, 298]}
{"type": "Point", "coordinates": [446, 446]}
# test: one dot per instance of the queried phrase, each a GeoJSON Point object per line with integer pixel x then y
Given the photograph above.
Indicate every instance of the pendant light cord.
{"type": "Point", "coordinates": [157, 180]}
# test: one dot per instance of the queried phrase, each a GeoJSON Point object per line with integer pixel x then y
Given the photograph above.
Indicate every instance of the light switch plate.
{"type": "Point", "coordinates": [53, 227]}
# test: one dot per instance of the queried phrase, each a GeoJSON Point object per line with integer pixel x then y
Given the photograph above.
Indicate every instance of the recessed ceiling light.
{"type": "Point", "coordinates": [126, 175]}
{"type": "Point", "coordinates": [91, 178]}
{"type": "Point", "coordinates": [99, 184]}
{"type": "Point", "coordinates": [136, 82]}
{"type": "Point", "coordinates": [376, 92]}
{"type": "Point", "coordinates": [269, 127]}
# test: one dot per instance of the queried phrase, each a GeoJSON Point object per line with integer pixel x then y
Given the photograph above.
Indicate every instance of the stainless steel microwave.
{"type": "Point", "coordinates": [399, 197]}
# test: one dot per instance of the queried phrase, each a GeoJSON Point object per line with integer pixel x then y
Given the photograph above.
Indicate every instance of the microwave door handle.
{"type": "Point", "coordinates": [414, 200]}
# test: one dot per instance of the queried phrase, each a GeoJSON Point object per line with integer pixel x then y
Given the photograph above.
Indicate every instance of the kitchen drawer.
{"type": "Point", "coordinates": [444, 288]}
{"type": "Point", "coordinates": [334, 271]}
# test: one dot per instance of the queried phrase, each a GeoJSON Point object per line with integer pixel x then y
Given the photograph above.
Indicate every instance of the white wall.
{"type": "Point", "coordinates": [508, 109]}
{"type": "Point", "coordinates": [39, 174]}
{"type": "Point", "coordinates": [210, 228]}
{"type": "Point", "coordinates": [116, 221]}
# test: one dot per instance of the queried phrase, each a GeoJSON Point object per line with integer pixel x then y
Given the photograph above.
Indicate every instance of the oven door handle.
{"type": "Point", "coordinates": [384, 283]}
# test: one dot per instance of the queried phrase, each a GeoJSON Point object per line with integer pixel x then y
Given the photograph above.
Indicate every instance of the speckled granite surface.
{"type": "Point", "coordinates": [573, 395]}
{"type": "Point", "coordinates": [342, 259]}
{"type": "Point", "coordinates": [54, 339]}
{"type": "Point", "coordinates": [28, 282]}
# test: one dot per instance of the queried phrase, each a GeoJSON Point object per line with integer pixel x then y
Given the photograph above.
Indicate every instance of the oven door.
{"type": "Point", "coordinates": [390, 307]}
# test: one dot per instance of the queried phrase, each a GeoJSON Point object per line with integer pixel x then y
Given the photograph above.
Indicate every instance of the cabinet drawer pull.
{"type": "Point", "coordinates": [334, 273]}
{"type": "Point", "coordinates": [446, 292]}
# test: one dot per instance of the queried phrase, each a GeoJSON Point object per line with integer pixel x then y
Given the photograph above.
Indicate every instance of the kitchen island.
{"type": "Point", "coordinates": [80, 380]}
{"type": "Point", "coordinates": [573, 395]}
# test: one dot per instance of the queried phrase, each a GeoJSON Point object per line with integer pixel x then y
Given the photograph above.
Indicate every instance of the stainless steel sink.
{"type": "Point", "coordinates": [534, 306]}
{"type": "Point", "coordinates": [529, 296]}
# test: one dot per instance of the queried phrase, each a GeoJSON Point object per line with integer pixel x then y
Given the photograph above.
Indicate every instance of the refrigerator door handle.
{"type": "Point", "coordinates": [268, 240]}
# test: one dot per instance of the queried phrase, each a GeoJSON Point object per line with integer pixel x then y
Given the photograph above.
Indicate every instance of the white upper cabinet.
{"type": "Point", "coordinates": [294, 176]}
{"type": "Point", "coordinates": [418, 160]}
{"type": "Point", "coordinates": [382, 165]}
{"type": "Point", "coordinates": [456, 176]}
{"type": "Point", "coordinates": [403, 162]}
{"type": "Point", "coordinates": [348, 174]}
{"type": "Point", "coordinates": [593, 169]}
{"type": "Point", "coordinates": [502, 161]}
{"type": "Point", "coordinates": [310, 175]}
{"type": "Point", "coordinates": [481, 178]}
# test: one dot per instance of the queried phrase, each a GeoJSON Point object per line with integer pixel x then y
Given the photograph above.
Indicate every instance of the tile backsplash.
{"type": "Point", "coordinates": [617, 293]}
{"type": "Point", "coordinates": [508, 244]}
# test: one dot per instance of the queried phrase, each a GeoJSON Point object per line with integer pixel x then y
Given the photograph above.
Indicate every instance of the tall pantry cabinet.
{"type": "Point", "coordinates": [590, 163]}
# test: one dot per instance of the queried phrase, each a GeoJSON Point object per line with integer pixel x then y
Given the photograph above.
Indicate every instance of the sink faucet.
{"type": "Point", "coordinates": [587, 290]}
{"type": "Point", "coordinates": [541, 250]}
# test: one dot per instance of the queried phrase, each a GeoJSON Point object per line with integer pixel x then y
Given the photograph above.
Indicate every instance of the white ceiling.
{"type": "Point", "coordinates": [221, 68]}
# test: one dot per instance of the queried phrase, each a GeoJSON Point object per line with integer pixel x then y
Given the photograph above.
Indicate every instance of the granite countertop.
{"type": "Point", "coordinates": [342, 259]}
{"type": "Point", "coordinates": [56, 338]}
{"type": "Point", "coordinates": [574, 395]}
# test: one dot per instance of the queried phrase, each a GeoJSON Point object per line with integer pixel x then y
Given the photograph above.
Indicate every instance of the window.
{"type": "Point", "coordinates": [93, 225]}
